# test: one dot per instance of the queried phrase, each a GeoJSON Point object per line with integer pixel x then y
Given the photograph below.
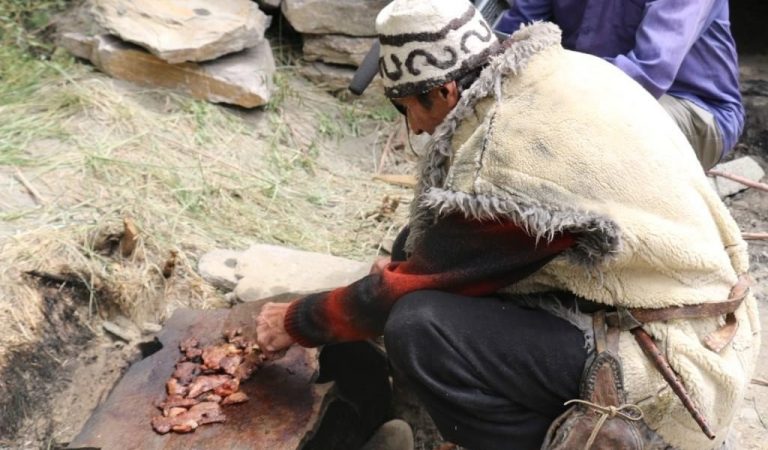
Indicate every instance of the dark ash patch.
{"type": "Point", "coordinates": [33, 372]}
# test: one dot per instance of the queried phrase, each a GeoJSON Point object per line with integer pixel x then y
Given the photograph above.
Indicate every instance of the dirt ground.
{"type": "Point", "coordinates": [298, 175]}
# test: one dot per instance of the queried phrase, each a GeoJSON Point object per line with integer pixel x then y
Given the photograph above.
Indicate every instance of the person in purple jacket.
{"type": "Point", "coordinates": [682, 52]}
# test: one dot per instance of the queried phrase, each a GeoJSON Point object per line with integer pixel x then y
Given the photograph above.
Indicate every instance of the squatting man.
{"type": "Point", "coordinates": [568, 278]}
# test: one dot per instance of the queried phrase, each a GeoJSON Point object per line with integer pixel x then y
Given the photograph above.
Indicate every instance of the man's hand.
{"type": "Point", "coordinates": [270, 329]}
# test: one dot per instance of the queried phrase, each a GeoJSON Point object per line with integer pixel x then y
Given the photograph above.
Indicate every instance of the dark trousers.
{"type": "Point", "coordinates": [492, 375]}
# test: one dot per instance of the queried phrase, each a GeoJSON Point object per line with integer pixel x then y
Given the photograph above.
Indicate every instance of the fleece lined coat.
{"type": "Point", "coordinates": [563, 142]}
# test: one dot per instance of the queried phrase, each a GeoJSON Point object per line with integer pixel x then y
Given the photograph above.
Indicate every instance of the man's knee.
{"type": "Point", "coordinates": [410, 325]}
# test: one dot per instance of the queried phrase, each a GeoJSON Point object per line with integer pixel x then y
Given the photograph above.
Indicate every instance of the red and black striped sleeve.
{"type": "Point", "coordinates": [458, 255]}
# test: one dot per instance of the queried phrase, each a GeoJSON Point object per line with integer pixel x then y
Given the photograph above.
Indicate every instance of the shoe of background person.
{"type": "Point", "coordinates": [393, 435]}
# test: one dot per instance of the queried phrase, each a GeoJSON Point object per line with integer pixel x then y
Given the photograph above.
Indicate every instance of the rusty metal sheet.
{"type": "Point", "coordinates": [285, 405]}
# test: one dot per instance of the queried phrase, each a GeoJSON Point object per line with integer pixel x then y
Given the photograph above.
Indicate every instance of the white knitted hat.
{"type": "Point", "coordinates": [425, 43]}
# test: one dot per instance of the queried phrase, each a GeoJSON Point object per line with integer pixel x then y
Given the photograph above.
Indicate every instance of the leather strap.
{"type": "Point", "coordinates": [738, 293]}
{"type": "Point", "coordinates": [598, 327]}
{"type": "Point", "coordinates": [630, 319]}
{"type": "Point", "coordinates": [718, 339]}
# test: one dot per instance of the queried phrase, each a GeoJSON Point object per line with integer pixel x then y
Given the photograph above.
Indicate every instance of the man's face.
{"type": "Point", "coordinates": [425, 114]}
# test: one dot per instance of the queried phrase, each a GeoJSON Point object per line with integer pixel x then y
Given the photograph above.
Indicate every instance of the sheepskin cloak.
{"type": "Point", "coordinates": [555, 141]}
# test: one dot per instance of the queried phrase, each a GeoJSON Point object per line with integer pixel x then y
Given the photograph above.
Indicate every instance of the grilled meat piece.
{"type": "Point", "coordinates": [205, 383]}
{"type": "Point", "coordinates": [213, 355]}
{"type": "Point", "coordinates": [174, 388]}
{"type": "Point", "coordinates": [250, 363]}
{"type": "Point", "coordinates": [237, 397]}
{"type": "Point", "coordinates": [229, 364]}
{"type": "Point", "coordinates": [186, 372]}
{"type": "Point", "coordinates": [227, 388]}
{"type": "Point", "coordinates": [186, 421]}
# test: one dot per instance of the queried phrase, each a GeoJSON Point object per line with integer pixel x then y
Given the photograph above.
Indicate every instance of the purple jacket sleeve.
{"type": "Point", "coordinates": [524, 11]}
{"type": "Point", "coordinates": [668, 30]}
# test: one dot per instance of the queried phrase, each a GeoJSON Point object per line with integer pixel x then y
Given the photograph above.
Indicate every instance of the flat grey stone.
{"type": "Point", "coordinates": [393, 435]}
{"type": "Point", "coordinates": [268, 270]}
{"type": "Point", "coordinates": [350, 17]}
{"type": "Point", "coordinates": [745, 167]}
{"type": "Point", "coordinates": [336, 49]}
{"type": "Point", "coordinates": [123, 332]}
{"type": "Point", "coordinates": [179, 31]}
{"type": "Point", "coordinates": [218, 268]}
{"type": "Point", "coordinates": [243, 78]}
{"type": "Point", "coordinates": [151, 327]}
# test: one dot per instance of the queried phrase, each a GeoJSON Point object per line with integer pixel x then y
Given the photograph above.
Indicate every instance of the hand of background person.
{"type": "Point", "coordinates": [270, 329]}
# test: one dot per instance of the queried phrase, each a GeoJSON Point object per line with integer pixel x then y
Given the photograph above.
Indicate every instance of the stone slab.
{"type": "Point", "coordinates": [268, 270]}
{"type": "Point", "coordinates": [336, 49]}
{"type": "Point", "coordinates": [284, 409]}
{"type": "Point", "coordinates": [335, 78]}
{"type": "Point", "coordinates": [243, 78]}
{"type": "Point", "coordinates": [218, 268]}
{"type": "Point", "coordinates": [353, 18]}
{"type": "Point", "coordinates": [179, 31]}
{"type": "Point", "coordinates": [744, 167]}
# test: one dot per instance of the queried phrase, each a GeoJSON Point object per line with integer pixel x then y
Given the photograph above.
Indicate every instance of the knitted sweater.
{"type": "Point", "coordinates": [472, 257]}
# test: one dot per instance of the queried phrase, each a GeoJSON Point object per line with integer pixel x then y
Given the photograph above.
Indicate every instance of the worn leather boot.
{"type": "Point", "coordinates": [393, 435]}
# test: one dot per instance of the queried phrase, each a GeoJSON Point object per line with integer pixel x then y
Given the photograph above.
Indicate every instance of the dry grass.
{"type": "Point", "coordinates": [192, 176]}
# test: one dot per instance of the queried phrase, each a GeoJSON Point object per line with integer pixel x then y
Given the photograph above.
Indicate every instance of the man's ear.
{"type": "Point", "coordinates": [449, 92]}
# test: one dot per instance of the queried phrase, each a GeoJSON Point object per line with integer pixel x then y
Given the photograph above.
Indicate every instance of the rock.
{"type": "Point", "coordinates": [268, 270]}
{"type": "Point", "coordinates": [126, 333]}
{"type": "Point", "coordinates": [286, 405]}
{"type": "Point", "coordinates": [353, 18]}
{"type": "Point", "coordinates": [744, 167]}
{"type": "Point", "coordinates": [243, 78]}
{"type": "Point", "coordinates": [337, 78]}
{"type": "Point", "coordinates": [218, 268]}
{"type": "Point", "coordinates": [178, 31]}
{"type": "Point", "coordinates": [393, 434]}
{"type": "Point", "coordinates": [269, 4]}
{"type": "Point", "coordinates": [150, 327]}
{"type": "Point", "coordinates": [328, 76]}
{"type": "Point", "coordinates": [336, 49]}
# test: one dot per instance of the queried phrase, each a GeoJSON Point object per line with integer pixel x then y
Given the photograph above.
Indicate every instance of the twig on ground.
{"type": "Point", "coordinates": [408, 181]}
{"type": "Point", "coordinates": [39, 199]}
{"type": "Point", "coordinates": [386, 149]}
{"type": "Point", "coordinates": [738, 179]}
{"type": "Point", "coordinates": [760, 382]}
{"type": "Point", "coordinates": [759, 416]}
{"type": "Point", "coordinates": [755, 236]}
{"type": "Point", "coordinates": [58, 279]}
{"type": "Point", "coordinates": [129, 239]}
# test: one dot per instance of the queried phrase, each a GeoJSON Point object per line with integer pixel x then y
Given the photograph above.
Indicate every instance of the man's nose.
{"type": "Point", "coordinates": [415, 128]}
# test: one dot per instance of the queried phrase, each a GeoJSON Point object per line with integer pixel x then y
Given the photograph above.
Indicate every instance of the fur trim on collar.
{"type": "Point", "coordinates": [597, 237]}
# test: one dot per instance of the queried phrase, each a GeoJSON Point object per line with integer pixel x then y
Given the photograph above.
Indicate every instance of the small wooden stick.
{"type": "Point", "coordinates": [660, 361]}
{"type": "Point", "coordinates": [386, 149]}
{"type": "Point", "coordinates": [407, 181]}
{"type": "Point", "coordinates": [129, 239]}
{"type": "Point", "coordinates": [755, 236]}
{"type": "Point", "coordinates": [760, 382]}
{"type": "Point", "coordinates": [39, 199]}
{"type": "Point", "coordinates": [738, 179]}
